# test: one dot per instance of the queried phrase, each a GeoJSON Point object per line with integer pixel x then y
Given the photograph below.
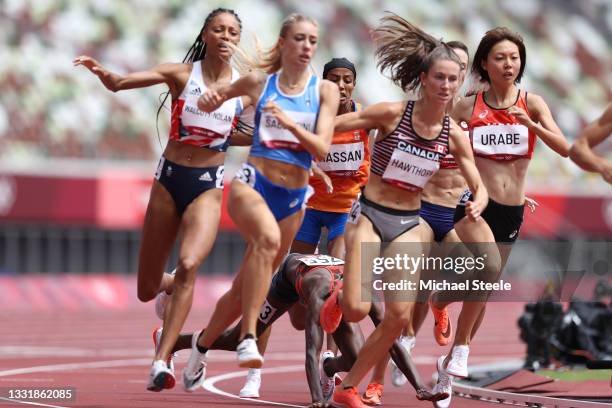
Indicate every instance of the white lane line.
{"type": "Point", "coordinates": [209, 384]}
{"type": "Point", "coordinates": [13, 351]}
{"type": "Point", "coordinates": [75, 366]}
{"type": "Point", "coordinates": [31, 403]}
{"type": "Point", "coordinates": [65, 367]}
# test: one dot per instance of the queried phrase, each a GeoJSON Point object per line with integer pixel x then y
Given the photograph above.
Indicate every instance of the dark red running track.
{"type": "Point", "coordinates": [101, 345]}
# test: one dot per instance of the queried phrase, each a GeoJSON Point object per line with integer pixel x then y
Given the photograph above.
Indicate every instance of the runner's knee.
{"type": "Point", "coordinates": [147, 292]}
{"type": "Point", "coordinates": [354, 312]}
{"type": "Point", "coordinates": [267, 244]}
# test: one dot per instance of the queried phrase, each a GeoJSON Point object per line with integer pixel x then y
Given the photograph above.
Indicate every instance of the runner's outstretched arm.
{"type": "Point", "coordinates": [314, 342]}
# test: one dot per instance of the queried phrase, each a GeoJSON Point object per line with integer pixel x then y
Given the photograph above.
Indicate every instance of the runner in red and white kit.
{"type": "Point", "coordinates": [186, 194]}
{"type": "Point", "coordinates": [415, 136]}
{"type": "Point", "coordinates": [504, 124]}
{"type": "Point", "coordinates": [438, 202]}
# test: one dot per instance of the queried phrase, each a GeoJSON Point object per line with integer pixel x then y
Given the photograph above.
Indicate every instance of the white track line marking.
{"type": "Point", "coordinates": [63, 367]}
{"type": "Point", "coordinates": [32, 403]}
{"type": "Point", "coordinates": [75, 366]}
{"type": "Point", "coordinates": [209, 384]}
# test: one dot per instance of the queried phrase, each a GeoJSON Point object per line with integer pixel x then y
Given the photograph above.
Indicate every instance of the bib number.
{"type": "Point", "coordinates": [465, 197]}
{"type": "Point", "coordinates": [273, 134]}
{"type": "Point", "coordinates": [355, 212]}
{"type": "Point", "coordinates": [247, 175]}
{"type": "Point", "coordinates": [266, 312]}
{"type": "Point", "coordinates": [406, 168]}
{"type": "Point", "coordinates": [343, 157]}
{"type": "Point", "coordinates": [213, 125]}
{"type": "Point", "coordinates": [219, 176]}
{"type": "Point", "coordinates": [321, 260]}
{"type": "Point", "coordinates": [492, 140]}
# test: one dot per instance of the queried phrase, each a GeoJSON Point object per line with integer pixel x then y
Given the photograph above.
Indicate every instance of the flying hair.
{"type": "Point", "coordinates": [406, 51]}
{"type": "Point", "coordinates": [269, 60]}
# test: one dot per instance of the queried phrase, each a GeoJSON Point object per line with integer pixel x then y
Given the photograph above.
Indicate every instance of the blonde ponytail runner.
{"type": "Point", "coordinates": [241, 60]}
{"type": "Point", "coordinates": [270, 60]}
{"type": "Point", "coordinates": [405, 51]}
{"type": "Point", "coordinates": [266, 60]}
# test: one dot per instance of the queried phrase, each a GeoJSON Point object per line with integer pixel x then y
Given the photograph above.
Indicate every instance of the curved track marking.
{"type": "Point", "coordinates": [209, 384]}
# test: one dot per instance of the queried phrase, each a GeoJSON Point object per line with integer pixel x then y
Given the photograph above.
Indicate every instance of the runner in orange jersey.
{"type": "Point", "coordinates": [339, 177]}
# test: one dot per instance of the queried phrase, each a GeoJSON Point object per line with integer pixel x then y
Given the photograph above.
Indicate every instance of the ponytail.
{"type": "Point", "coordinates": [269, 60]}
{"type": "Point", "coordinates": [406, 51]}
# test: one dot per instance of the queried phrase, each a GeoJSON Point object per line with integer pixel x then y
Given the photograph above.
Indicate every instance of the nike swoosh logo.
{"type": "Point", "coordinates": [198, 375]}
{"type": "Point", "coordinates": [446, 335]}
{"type": "Point", "coordinates": [404, 222]}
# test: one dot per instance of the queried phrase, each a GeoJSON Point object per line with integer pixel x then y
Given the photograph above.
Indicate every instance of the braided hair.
{"type": "Point", "coordinates": [196, 52]}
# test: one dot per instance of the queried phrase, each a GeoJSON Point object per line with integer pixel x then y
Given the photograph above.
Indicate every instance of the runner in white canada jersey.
{"type": "Point", "coordinates": [412, 166]}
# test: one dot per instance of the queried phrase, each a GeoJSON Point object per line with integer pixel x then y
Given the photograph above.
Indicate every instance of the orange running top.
{"type": "Point", "coordinates": [348, 166]}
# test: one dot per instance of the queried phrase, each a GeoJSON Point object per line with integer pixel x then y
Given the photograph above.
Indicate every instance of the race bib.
{"type": "Point", "coordinates": [408, 168]}
{"type": "Point", "coordinates": [465, 197]}
{"type": "Point", "coordinates": [247, 174]}
{"type": "Point", "coordinates": [501, 139]}
{"type": "Point", "coordinates": [320, 260]}
{"type": "Point", "coordinates": [355, 212]}
{"type": "Point", "coordinates": [217, 124]}
{"type": "Point", "coordinates": [343, 157]}
{"type": "Point", "coordinates": [273, 134]}
{"type": "Point", "coordinates": [266, 312]}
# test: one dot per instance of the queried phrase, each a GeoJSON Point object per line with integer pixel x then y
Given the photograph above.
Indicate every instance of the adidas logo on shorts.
{"type": "Point", "coordinates": [205, 177]}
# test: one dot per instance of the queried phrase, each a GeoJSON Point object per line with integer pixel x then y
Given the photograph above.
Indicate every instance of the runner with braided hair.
{"type": "Point", "coordinates": [187, 190]}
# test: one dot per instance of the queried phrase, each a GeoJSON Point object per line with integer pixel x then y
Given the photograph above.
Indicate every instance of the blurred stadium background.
{"type": "Point", "coordinates": [76, 161]}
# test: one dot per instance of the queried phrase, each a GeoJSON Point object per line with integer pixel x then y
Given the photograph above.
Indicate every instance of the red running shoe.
{"type": "Point", "coordinates": [347, 398]}
{"type": "Point", "coordinates": [331, 312]}
{"type": "Point", "coordinates": [373, 394]}
{"type": "Point", "coordinates": [442, 329]}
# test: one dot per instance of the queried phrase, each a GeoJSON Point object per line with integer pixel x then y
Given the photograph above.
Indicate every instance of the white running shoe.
{"type": "Point", "coordinates": [161, 301]}
{"type": "Point", "coordinates": [194, 372]}
{"type": "Point", "coordinates": [398, 378]}
{"type": "Point", "coordinates": [248, 355]}
{"type": "Point", "coordinates": [457, 366]}
{"type": "Point", "coordinates": [328, 384]}
{"type": "Point", "coordinates": [252, 384]}
{"type": "Point", "coordinates": [161, 377]}
{"type": "Point", "coordinates": [444, 384]}
{"type": "Point", "coordinates": [156, 340]}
